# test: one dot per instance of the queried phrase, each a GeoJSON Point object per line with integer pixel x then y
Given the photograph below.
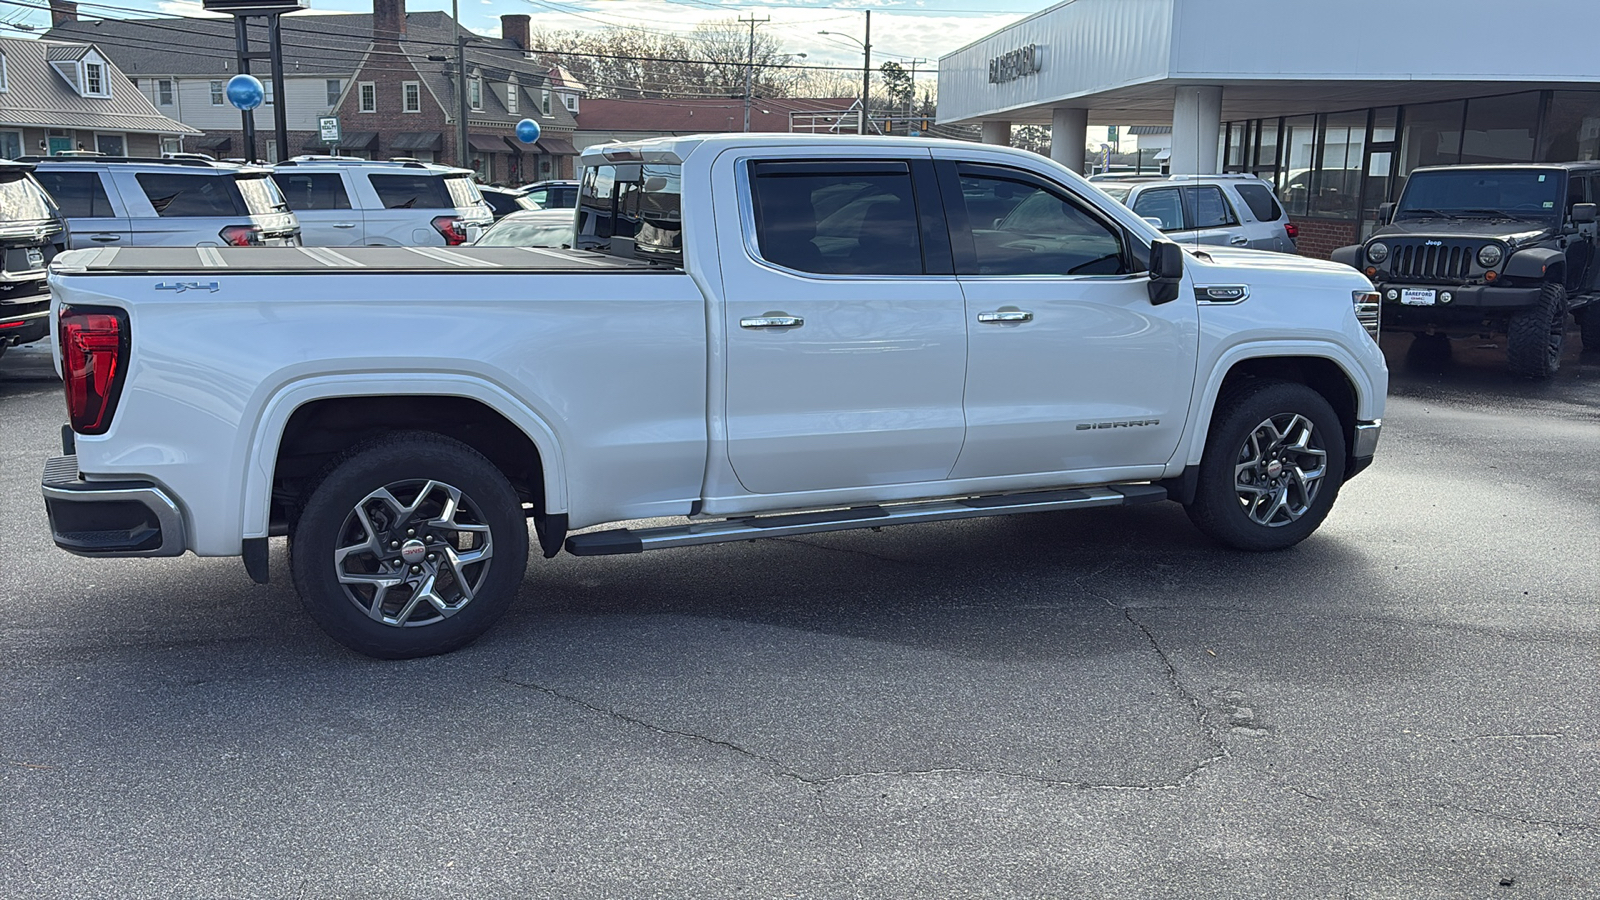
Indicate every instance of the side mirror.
{"type": "Point", "coordinates": [1166, 271]}
{"type": "Point", "coordinates": [1584, 213]}
{"type": "Point", "coordinates": [1385, 213]}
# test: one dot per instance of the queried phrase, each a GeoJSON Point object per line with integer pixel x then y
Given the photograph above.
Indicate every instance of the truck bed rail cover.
{"type": "Point", "coordinates": [323, 260]}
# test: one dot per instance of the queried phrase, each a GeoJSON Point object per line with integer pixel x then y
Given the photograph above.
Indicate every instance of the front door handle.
{"type": "Point", "coordinates": [777, 321]}
{"type": "Point", "coordinates": [105, 238]}
{"type": "Point", "coordinates": [1010, 315]}
{"type": "Point", "coordinates": [344, 224]}
{"type": "Point", "coordinates": [1238, 239]}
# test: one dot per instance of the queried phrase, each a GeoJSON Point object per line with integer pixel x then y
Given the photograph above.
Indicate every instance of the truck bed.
{"type": "Point", "coordinates": [327, 260]}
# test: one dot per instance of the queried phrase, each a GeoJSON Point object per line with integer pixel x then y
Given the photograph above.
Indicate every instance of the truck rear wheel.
{"type": "Point", "coordinates": [1536, 335]}
{"type": "Point", "coordinates": [410, 546]}
{"type": "Point", "coordinates": [1272, 466]}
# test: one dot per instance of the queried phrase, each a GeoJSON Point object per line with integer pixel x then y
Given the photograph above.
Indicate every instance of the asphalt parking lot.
{"type": "Point", "coordinates": [1095, 704]}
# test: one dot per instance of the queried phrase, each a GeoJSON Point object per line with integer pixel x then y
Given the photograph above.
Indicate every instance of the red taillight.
{"type": "Point", "coordinates": [240, 236]}
{"type": "Point", "coordinates": [452, 231]}
{"type": "Point", "coordinates": [1292, 230]}
{"type": "Point", "coordinates": [94, 351]}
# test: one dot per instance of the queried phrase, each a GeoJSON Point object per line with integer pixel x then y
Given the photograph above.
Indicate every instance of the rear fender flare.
{"type": "Point", "coordinates": [274, 418]}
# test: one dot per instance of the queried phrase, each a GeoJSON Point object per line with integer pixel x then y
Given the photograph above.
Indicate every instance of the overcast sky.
{"type": "Point", "coordinates": [901, 29]}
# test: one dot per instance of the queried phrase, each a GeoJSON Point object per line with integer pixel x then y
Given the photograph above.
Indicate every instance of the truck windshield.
{"type": "Point", "coordinates": [633, 211]}
{"type": "Point", "coordinates": [1483, 193]}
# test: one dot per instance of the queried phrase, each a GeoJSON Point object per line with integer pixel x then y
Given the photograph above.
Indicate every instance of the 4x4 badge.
{"type": "Point", "coordinates": [181, 286]}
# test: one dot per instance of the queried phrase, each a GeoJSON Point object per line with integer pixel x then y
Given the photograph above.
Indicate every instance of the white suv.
{"type": "Point", "coordinates": [1231, 210]}
{"type": "Point", "coordinates": [348, 202]}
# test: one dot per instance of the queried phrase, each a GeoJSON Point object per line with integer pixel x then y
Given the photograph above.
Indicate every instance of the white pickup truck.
{"type": "Point", "coordinates": [768, 335]}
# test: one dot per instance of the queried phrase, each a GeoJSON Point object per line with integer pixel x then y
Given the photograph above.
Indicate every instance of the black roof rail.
{"type": "Point", "coordinates": [143, 160]}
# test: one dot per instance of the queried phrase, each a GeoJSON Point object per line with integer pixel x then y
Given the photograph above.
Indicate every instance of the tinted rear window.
{"type": "Point", "coordinates": [181, 195]}
{"type": "Point", "coordinates": [21, 200]}
{"type": "Point", "coordinates": [304, 190]}
{"type": "Point", "coordinates": [414, 191]}
{"type": "Point", "coordinates": [79, 194]}
{"type": "Point", "coordinates": [1262, 204]}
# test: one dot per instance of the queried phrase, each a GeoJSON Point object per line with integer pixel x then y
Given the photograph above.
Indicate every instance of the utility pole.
{"type": "Point", "coordinates": [911, 98]}
{"type": "Point", "coordinates": [866, 74]}
{"type": "Point", "coordinates": [750, 69]}
{"type": "Point", "coordinates": [463, 159]}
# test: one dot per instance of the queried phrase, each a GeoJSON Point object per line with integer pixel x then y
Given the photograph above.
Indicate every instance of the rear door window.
{"type": "Point", "coordinates": [307, 191]}
{"type": "Point", "coordinates": [838, 219]}
{"type": "Point", "coordinates": [413, 191]}
{"type": "Point", "coordinates": [1263, 205]}
{"type": "Point", "coordinates": [1207, 208]}
{"type": "Point", "coordinates": [80, 195]}
{"type": "Point", "coordinates": [1162, 204]}
{"type": "Point", "coordinates": [178, 195]}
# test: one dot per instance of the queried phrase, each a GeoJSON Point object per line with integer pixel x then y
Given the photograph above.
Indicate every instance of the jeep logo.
{"type": "Point", "coordinates": [1433, 243]}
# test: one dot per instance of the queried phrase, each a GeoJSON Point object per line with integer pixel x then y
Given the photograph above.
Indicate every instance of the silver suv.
{"type": "Point", "coordinates": [348, 202]}
{"type": "Point", "coordinates": [1231, 210]}
{"type": "Point", "coordinates": [118, 201]}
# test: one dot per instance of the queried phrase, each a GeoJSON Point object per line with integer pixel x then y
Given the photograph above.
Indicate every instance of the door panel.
{"type": "Point", "coordinates": [845, 361]}
{"type": "Point", "coordinates": [1069, 365]}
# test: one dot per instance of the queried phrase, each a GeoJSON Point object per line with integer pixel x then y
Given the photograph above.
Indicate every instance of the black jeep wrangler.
{"type": "Point", "coordinates": [1486, 250]}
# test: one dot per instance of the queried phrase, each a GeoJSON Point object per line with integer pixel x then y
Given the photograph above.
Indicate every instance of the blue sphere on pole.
{"type": "Point", "coordinates": [245, 92]}
{"type": "Point", "coordinates": [527, 131]}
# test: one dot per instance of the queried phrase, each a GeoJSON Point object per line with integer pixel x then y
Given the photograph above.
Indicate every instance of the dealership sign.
{"type": "Point", "coordinates": [1011, 66]}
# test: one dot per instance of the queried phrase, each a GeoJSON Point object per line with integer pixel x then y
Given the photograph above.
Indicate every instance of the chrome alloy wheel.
{"type": "Point", "coordinates": [1279, 470]}
{"type": "Point", "coordinates": [413, 553]}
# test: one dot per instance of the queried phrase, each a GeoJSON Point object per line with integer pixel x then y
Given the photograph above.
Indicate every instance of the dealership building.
{"type": "Point", "coordinates": [1334, 103]}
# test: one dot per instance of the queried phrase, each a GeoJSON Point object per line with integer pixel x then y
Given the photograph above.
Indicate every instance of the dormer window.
{"type": "Point", "coordinates": [3, 87]}
{"type": "Point", "coordinates": [544, 102]}
{"type": "Point", "coordinates": [475, 93]}
{"type": "Point", "coordinates": [94, 80]}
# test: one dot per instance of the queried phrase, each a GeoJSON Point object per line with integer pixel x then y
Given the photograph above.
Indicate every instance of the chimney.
{"type": "Point", "coordinates": [515, 29]}
{"type": "Point", "coordinates": [62, 12]}
{"type": "Point", "coordinates": [388, 19]}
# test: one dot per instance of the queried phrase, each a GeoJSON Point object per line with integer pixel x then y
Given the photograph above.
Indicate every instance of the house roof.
{"type": "Point", "coordinates": [39, 96]}
{"type": "Point", "coordinates": [694, 116]}
{"type": "Point", "coordinates": [330, 45]}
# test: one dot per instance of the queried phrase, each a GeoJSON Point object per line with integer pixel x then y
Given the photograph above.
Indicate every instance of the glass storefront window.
{"type": "Point", "coordinates": [1300, 140]}
{"type": "Point", "coordinates": [1337, 186]}
{"type": "Point", "coordinates": [1572, 128]}
{"type": "Point", "coordinates": [1235, 157]}
{"type": "Point", "coordinates": [1432, 135]}
{"type": "Point", "coordinates": [1501, 129]}
{"type": "Point", "coordinates": [1265, 164]}
{"type": "Point", "coordinates": [1383, 124]}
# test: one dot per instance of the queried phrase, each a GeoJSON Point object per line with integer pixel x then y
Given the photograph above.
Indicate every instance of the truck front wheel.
{"type": "Point", "coordinates": [1272, 466]}
{"type": "Point", "coordinates": [1535, 336]}
{"type": "Point", "coordinates": [411, 545]}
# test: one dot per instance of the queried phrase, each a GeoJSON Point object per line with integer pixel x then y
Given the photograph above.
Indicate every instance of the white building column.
{"type": "Point", "coordinates": [1069, 134]}
{"type": "Point", "coordinates": [997, 132]}
{"type": "Point", "coordinates": [1196, 129]}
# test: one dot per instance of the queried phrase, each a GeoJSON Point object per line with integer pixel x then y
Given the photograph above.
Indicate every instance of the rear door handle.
{"type": "Point", "coordinates": [344, 224]}
{"type": "Point", "coordinates": [772, 322]}
{"type": "Point", "coordinates": [1238, 239]}
{"type": "Point", "coordinates": [105, 238]}
{"type": "Point", "coordinates": [1010, 315]}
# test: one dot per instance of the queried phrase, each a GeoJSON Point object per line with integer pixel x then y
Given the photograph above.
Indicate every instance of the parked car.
{"type": "Point", "coordinates": [781, 335]}
{"type": "Point", "coordinates": [118, 201]}
{"type": "Point", "coordinates": [505, 201]}
{"type": "Point", "coordinates": [348, 202]}
{"type": "Point", "coordinates": [32, 232]}
{"type": "Point", "coordinates": [530, 228]}
{"type": "Point", "coordinates": [1490, 250]}
{"type": "Point", "coordinates": [552, 194]}
{"type": "Point", "coordinates": [1232, 210]}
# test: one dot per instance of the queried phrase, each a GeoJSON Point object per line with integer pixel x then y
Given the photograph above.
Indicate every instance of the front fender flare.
{"type": "Point", "coordinates": [274, 416]}
{"type": "Point", "coordinates": [1533, 262]}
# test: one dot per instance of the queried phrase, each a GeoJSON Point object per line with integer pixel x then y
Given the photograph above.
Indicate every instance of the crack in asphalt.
{"type": "Point", "coordinates": [784, 771]}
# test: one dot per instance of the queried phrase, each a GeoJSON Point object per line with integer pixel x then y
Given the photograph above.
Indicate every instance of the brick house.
{"type": "Point", "coordinates": [389, 77]}
{"type": "Point", "coordinates": [57, 96]}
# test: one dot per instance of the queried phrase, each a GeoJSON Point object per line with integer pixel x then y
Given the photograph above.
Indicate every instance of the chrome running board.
{"type": "Point", "coordinates": [628, 540]}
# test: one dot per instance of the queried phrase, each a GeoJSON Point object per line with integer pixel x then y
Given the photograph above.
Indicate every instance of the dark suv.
{"type": "Point", "coordinates": [31, 234]}
{"type": "Point", "coordinates": [1478, 250]}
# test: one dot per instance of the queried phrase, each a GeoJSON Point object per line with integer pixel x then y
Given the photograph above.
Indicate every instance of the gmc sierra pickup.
{"type": "Point", "coordinates": [769, 335]}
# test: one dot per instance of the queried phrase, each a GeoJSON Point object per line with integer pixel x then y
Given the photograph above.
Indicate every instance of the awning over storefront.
{"type": "Point", "coordinates": [487, 143]}
{"type": "Point", "coordinates": [355, 140]}
{"type": "Point", "coordinates": [219, 142]}
{"type": "Point", "coordinates": [557, 146]}
{"type": "Point", "coordinates": [417, 140]}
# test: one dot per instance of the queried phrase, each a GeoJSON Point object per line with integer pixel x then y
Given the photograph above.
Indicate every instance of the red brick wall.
{"type": "Point", "coordinates": [1320, 237]}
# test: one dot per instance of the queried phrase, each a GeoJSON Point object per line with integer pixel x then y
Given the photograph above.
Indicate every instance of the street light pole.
{"type": "Point", "coordinates": [750, 68]}
{"type": "Point", "coordinates": [866, 73]}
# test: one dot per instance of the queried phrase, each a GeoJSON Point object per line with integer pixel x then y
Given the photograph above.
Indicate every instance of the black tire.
{"type": "Point", "coordinates": [1536, 336]}
{"type": "Point", "coordinates": [416, 578]}
{"type": "Point", "coordinates": [1589, 327]}
{"type": "Point", "coordinates": [1428, 352]}
{"type": "Point", "coordinates": [1237, 507]}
